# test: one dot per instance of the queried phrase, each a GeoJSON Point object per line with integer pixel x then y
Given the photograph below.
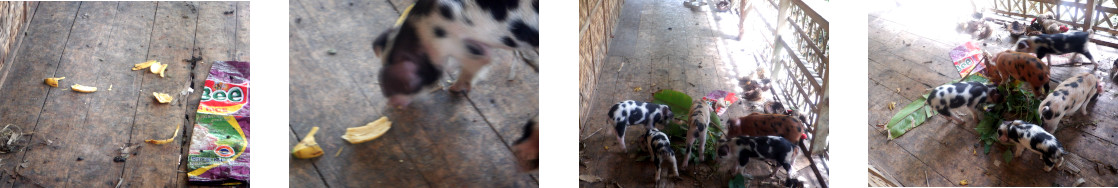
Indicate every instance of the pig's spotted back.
{"type": "Point", "coordinates": [434, 30]}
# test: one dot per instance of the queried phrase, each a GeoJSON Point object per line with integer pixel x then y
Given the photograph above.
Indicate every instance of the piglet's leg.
{"type": "Point", "coordinates": [619, 128]}
{"type": "Point", "coordinates": [1020, 148]}
{"type": "Point", "coordinates": [471, 64]}
{"type": "Point", "coordinates": [658, 164]}
{"type": "Point", "coordinates": [675, 169]}
{"type": "Point", "coordinates": [976, 115]}
{"type": "Point", "coordinates": [1083, 107]}
{"type": "Point", "coordinates": [690, 144]}
{"type": "Point", "coordinates": [702, 147]}
{"type": "Point", "coordinates": [774, 169]}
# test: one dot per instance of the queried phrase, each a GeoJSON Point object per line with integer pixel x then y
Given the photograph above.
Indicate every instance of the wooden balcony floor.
{"type": "Point", "coordinates": [909, 52]}
{"type": "Point", "coordinates": [664, 45]}
{"type": "Point", "coordinates": [76, 135]}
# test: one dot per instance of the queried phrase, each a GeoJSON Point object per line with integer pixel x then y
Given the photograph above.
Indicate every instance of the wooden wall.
{"type": "Point", "coordinates": [597, 19]}
{"type": "Point", "coordinates": [13, 15]}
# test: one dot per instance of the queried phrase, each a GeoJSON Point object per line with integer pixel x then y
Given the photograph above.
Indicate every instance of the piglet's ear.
{"type": "Point", "coordinates": [381, 42]}
{"type": "Point", "coordinates": [1022, 45]}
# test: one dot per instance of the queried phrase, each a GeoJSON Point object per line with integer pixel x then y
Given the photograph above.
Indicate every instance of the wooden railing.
{"type": "Point", "coordinates": [800, 67]}
{"type": "Point", "coordinates": [1098, 15]}
{"type": "Point", "coordinates": [804, 64]}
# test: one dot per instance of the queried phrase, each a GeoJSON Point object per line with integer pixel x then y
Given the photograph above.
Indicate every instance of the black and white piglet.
{"type": "Point", "coordinates": [775, 148]}
{"type": "Point", "coordinates": [962, 95]}
{"type": "Point", "coordinates": [1056, 44]}
{"type": "Point", "coordinates": [659, 147]}
{"type": "Point", "coordinates": [1034, 138]}
{"type": "Point", "coordinates": [632, 112]}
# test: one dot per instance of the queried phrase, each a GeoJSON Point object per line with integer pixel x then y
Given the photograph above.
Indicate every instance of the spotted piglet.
{"type": "Point", "coordinates": [743, 148]}
{"type": "Point", "coordinates": [632, 112]}
{"type": "Point", "coordinates": [1072, 95]}
{"type": "Point", "coordinates": [415, 54]}
{"type": "Point", "coordinates": [758, 124]}
{"type": "Point", "coordinates": [962, 95]}
{"type": "Point", "coordinates": [1034, 138]}
{"type": "Point", "coordinates": [699, 121]}
{"type": "Point", "coordinates": [1019, 66]}
{"type": "Point", "coordinates": [658, 146]}
{"type": "Point", "coordinates": [1056, 44]}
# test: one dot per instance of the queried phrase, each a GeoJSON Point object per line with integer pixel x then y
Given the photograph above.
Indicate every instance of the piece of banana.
{"type": "Point", "coordinates": [307, 148]}
{"type": "Point", "coordinates": [144, 65]}
{"type": "Point", "coordinates": [157, 142]}
{"type": "Point", "coordinates": [162, 97]}
{"type": "Point", "coordinates": [53, 82]}
{"type": "Point", "coordinates": [83, 89]}
{"type": "Point", "coordinates": [357, 135]}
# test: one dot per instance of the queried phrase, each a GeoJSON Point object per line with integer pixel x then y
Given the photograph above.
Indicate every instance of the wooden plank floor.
{"type": "Point", "coordinates": [76, 135]}
{"type": "Point", "coordinates": [910, 53]}
{"type": "Point", "coordinates": [664, 45]}
{"type": "Point", "coordinates": [442, 140]}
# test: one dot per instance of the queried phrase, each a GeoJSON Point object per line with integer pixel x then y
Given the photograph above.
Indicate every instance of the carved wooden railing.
{"type": "Point", "coordinates": [1098, 15]}
{"type": "Point", "coordinates": [800, 67]}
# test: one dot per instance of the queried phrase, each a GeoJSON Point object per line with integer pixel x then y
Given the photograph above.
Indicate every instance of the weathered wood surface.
{"type": "Point", "coordinates": [672, 47]}
{"type": "Point", "coordinates": [441, 140]}
{"type": "Point", "coordinates": [76, 135]}
{"type": "Point", "coordinates": [13, 20]}
{"type": "Point", "coordinates": [908, 57]}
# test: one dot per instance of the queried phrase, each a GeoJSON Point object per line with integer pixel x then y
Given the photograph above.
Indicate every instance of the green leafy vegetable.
{"type": "Point", "coordinates": [916, 112]}
{"type": "Point", "coordinates": [1007, 155]}
{"type": "Point", "coordinates": [738, 182]}
{"type": "Point", "coordinates": [909, 117]}
{"type": "Point", "coordinates": [680, 104]}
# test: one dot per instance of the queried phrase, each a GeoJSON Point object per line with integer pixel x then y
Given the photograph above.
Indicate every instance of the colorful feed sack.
{"type": "Point", "coordinates": [219, 152]}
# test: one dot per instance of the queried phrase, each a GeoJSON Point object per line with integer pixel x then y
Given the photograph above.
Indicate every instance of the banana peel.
{"type": "Point", "coordinates": [158, 69]}
{"type": "Point", "coordinates": [162, 97]}
{"type": "Point", "coordinates": [53, 82]}
{"type": "Point", "coordinates": [158, 142]}
{"type": "Point", "coordinates": [144, 65]}
{"type": "Point", "coordinates": [373, 130]}
{"type": "Point", "coordinates": [307, 148]}
{"type": "Point", "coordinates": [83, 89]}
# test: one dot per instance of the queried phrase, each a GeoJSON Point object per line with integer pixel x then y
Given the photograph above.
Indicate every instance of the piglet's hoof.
{"type": "Point", "coordinates": [460, 88]}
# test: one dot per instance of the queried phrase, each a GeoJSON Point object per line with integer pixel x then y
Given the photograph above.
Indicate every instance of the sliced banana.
{"type": "Point", "coordinates": [357, 135]}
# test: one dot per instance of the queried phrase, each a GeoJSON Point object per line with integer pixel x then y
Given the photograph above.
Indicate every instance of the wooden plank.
{"type": "Point", "coordinates": [21, 107]}
{"type": "Point", "coordinates": [302, 173]}
{"type": "Point", "coordinates": [218, 23]}
{"type": "Point", "coordinates": [242, 49]}
{"type": "Point", "coordinates": [323, 90]}
{"type": "Point", "coordinates": [507, 104]}
{"type": "Point", "coordinates": [172, 40]}
{"type": "Point", "coordinates": [903, 166]}
{"type": "Point", "coordinates": [881, 179]}
{"type": "Point", "coordinates": [455, 145]}
{"type": "Point", "coordinates": [106, 39]}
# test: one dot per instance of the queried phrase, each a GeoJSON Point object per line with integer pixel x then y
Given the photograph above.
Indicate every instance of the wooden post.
{"type": "Point", "coordinates": [822, 129]}
{"type": "Point", "coordinates": [781, 20]}
{"type": "Point", "coordinates": [743, 10]}
{"type": "Point", "coordinates": [1089, 19]}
